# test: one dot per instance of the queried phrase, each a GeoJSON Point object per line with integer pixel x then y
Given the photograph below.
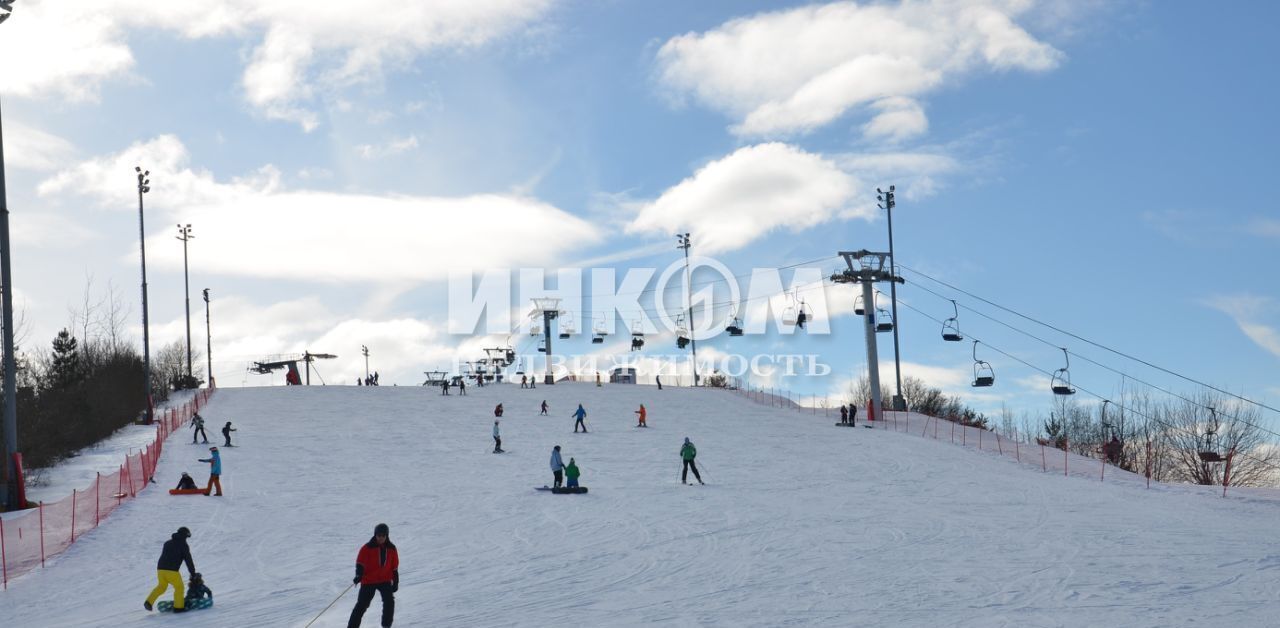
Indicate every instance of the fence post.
{"type": "Point", "coordinates": [1066, 444]}
{"type": "Point", "coordinates": [1102, 477]}
{"type": "Point", "coordinates": [73, 515]}
{"type": "Point", "coordinates": [1226, 474]}
{"type": "Point", "coordinates": [128, 472]}
{"type": "Point", "coordinates": [980, 431]}
{"type": "Point", "coordinates": [97, 499]}
{"type": "Point", "coordinates": [1148, 463]}
{"type": "Point", "coordinates": [999, 447]}
{"type": "Point", "coordinates": [1044, 465]}
{"type": "Point", "coordinates": [1016, 447]}
{"type": "Point", "coordinates": [41, 513]}
{"type": "Point", "coordinates": [4, 560]}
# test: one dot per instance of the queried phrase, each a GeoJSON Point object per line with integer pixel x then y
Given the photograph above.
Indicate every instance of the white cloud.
{"type": "Point", "coordinates": [742, 197]}
{"type": "Point", "coordinates": [32, 149]}
{"type": "Point", "coordinates": [1248, 311]}
{"type": "Point", "coordinates": [393, 147]}
{"type": "Point", "coordinates": [1266, 227]}
{"type": "Point", "coordinates": [899, 119]}
{"type": "Point", "coordinates": [322, 236]}
{"type": "Point", "coordinates": [796, 70]}
{"type": "Point", "coordinates": [70, 47]}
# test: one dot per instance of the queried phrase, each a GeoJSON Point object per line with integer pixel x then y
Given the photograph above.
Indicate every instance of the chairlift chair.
{"type": "Point", "coordinates": [735, 323]}
{"type": "Point", "coordinates": [858, 308]}
{"type": "Point", "coordinates": [637, 335]}
{"type": "Point", "coordinates": [682, 333]}
{"type": "Point", "coordinates": [542, 346]}
{"type": "Point", "coordinates": [884, 320]}
{"type": "Point", "coordinates": [802, 315]}
{"type": "Point", "coordinates": [1061, 382]}
{"type": "Point", "coordinates": [599, 331]}
{"type": "Point", "coordinates": [567, 326]}
{"type": "Point", "coordinates": [1209, 452]}
{"type": "Point", "coordinates": [951, 326]}
{"type": "Point", "coordinates": [983, 374]}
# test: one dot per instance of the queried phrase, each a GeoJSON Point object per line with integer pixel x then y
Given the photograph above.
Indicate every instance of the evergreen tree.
{"type": "Point", "coordinates": [65, 370]}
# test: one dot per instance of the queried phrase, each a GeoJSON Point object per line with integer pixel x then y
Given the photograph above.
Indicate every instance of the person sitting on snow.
{"type": "Point", "coordinates": [186, 482]}
{"type": "Point", "coordinates": [497, 410]}
{"type": "Point", "coordinates": [197, 590]}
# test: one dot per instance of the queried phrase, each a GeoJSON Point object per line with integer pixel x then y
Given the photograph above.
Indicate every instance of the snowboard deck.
{"type": "Point", "coordinates": [188, 491]}
{"type": "Point", "coordinates": [563, 490]}
{"type": "Point", "coordinates": [847, 425]}
{"type": "Point", "coordinates": [166, 606]}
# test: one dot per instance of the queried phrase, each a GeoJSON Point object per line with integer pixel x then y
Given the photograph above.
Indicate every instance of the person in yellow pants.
{"type": "Point", "coordinates": [175, 553]}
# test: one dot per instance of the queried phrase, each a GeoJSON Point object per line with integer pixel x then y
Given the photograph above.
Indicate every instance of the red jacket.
{"type": "Point", "coordinates": [376, 564]}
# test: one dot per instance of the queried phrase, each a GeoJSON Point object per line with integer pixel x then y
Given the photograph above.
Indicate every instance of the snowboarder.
{"type": "Point", "coordinates": [226, 434]}
{"type": "Point", "coordinates": [579, 414]}
{"type": "Point", "coordinates": [197, 590]}
{"type": "Point", "coordinates": [497, 439]}
{"type": "Point", "coordinates": [687, 453]}
{"type": "Point", "coordinates": [444, 388]}
{"type": "Point", "coordinates": [497, 410]}
{"type": "Point", "coordinates": [844, 414]}
{"type": "Point", "coordinates": [524, 381]}
{"type": "Point", "coordinates": [658, 378]}
{"type": "Point", "coordinates": [557, 467]}
{"type": "Point", "coordinates": [186, 482]}
{"type": "Point", "coordinates": [642, 414]}
{"type": "Point", "coordinates": [197, 429]}
{"type": "Point", "coordinates": [571, 474]}
{"type": "Point", "coordinates": [544, 408]}
{"type": "Point", "coordinates": [377, 571]}
{"type": "Point", "coordinates": [853, 414]}
{"type": "Point", "coordinates": [175, 553]}
{"type": "Point", "coordinates": [215, 471]}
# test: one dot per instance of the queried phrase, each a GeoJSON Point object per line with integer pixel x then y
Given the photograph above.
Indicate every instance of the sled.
{"type": "Point", "coordinates": [564, 490]}
{"type": "Point", "coordinates": [188, 491]}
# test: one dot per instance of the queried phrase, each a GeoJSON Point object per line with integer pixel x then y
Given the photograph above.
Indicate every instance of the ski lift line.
{"type": "Point", "coordinates": [1100, 346]}
{"type": "Point", "coordinates": [1166, 391]}
{"type": "Point", "coordinates": [1121, 406]}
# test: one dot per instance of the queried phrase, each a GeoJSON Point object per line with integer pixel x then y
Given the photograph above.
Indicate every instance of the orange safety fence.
{"type": "Point", "coordinates": [28, 539]}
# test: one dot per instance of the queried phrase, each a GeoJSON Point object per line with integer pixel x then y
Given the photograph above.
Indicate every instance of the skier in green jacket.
{"type": "Point", "coordinates": [687, 453]}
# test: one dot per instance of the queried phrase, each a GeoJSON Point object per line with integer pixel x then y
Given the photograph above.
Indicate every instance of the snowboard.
{"type": "Point", "coordinates": [563, 490]}
{"type": "Point", "coordinates": [188, 491]}
{"type": "Point", "coordinates": [192, 605]}
{"type": "Point", "coordinates": [504, 451]}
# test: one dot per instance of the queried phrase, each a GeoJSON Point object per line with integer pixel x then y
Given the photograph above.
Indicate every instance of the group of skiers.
{"type": "Point", "coordinates": [197, 431]}
{"type": "Point", "coordinates": [369, 380]}
{"type": "Point", "coordinates": [462, 387]}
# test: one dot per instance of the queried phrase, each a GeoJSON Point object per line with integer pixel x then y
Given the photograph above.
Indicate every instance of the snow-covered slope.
{"type": "Point", "coordinates": [801, 523]}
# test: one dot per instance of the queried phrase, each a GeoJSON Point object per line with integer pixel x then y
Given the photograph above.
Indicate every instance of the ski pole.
{"type": "Point", "coordinates": [335, 601]}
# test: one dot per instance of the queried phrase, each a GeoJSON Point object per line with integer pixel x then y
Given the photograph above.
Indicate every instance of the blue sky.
{"type": "Point", "coordinates": [1099, 166]}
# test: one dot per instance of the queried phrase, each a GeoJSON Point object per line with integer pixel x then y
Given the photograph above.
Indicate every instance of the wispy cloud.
{"type": "Point", "coordinates": [1253, 315]}
{"type": "Point", "coordinates": [391, 148]}
{"type": "Point", "coordinates": [796, 70]}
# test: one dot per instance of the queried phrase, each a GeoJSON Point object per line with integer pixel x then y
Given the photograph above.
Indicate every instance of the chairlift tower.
{"type": "Point", "coordinates": [550, 309]}
{"type": "Point", "coordinates": [682, 242]}
{"type": "Point", "coordinates": [867, 268]}
{"type": "Point", "coordinates": [888, 204]}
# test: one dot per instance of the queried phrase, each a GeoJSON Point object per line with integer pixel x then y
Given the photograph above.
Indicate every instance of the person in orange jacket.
{"type": "Point", "coordinates": [642, 414]}
{"type": "Point", "coordinates": [377, 571]}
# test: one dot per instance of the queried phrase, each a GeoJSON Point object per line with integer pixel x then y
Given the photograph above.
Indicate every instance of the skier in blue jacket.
{"type": "Point", "coordinates": [579, 414]}
{"type": "Point", "coordinates": [215, 470]}
{"type": "Point", "coordinates": [557, 466]}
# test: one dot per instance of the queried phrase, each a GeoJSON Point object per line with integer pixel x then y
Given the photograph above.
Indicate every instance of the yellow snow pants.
{"type": "Point", "coordinates": [165, 578]}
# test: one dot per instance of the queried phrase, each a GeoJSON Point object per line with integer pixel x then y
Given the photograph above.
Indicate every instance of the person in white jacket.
{"type": "Point", "coordinates": [497, 439]}
{"type": "Point", "coordinates": [557, 466]}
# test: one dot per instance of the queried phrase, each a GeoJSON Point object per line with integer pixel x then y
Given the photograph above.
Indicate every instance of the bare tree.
{"type": "Point", "coordinates": [1215, 426]}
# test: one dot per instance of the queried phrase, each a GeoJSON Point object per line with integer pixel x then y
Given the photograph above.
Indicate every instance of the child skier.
{"type": "Point", "coordinates": [687, 453]}
{"type": "Point", "coordinates": [642, 414]}
{"type": "Point", "coordinates": [571, 473]}
{"type": "Point", "coordinates": [497, 439]}
{"type": "Point", "coordinates": [197, 429]}
{"type": "Point", "coordinates": [579, 414]}
{"type": "Point", "coordinates": [226, 434]}
{"type": "Point", "coordinates": [544, 407]}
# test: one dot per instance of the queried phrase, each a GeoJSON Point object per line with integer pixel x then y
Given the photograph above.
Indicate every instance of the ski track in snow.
{"type": "Point", "coordinates": [800, 523]}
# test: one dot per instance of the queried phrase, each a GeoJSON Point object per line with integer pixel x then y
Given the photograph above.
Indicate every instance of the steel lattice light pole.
{"type": "Point", "coordinates": [184, 234]}
{"type": "Point", "coordinates": [7, 496]}
{"type": "Point", "coordinates": [144, 186]}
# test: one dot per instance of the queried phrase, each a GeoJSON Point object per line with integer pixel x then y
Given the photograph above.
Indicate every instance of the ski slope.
{"type": "Point", "coordinates": [801, 523]}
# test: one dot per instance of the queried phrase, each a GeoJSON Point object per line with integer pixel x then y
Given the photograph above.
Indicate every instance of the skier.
{"type": "Point", "coordinates": [642, 414]}
{"type": "Point", "coordinates": [377, 571]}
{"type": "Point", "coordinates": [579, 414]}
{"type": "Point", "coordinates": [597, 380]}
{"type": "Point", "coordinates": [853, 414]}
{"type": "Point", "coordinates": [215, 470]}
{"type": "Point", "coordinates": [687, 453]}
{"type": "Point", "coordinates": [844, 414]}
{"type": "Point", "coordinates": [226, 433]}
{"type": "Point", "coordinates": [571, 473]}
{"type": "Point", "coordinates": [358, 382]}
{"type": "Point", "coordinates": [544, 408]}
{"type": "Point", "coordinates": [197, 590]}
{"type": "Point", "coordinates": [175, 553]}
{"type": "Point", "coordinates": [185, 482]}
{"type": "Point", "coordinates": [444, 388]}
{"type": "Point", "coordinates": [497, 439]}
{"type": "Point", "coordinates": [557, 467]}
{"type": "Point", "coordinates": [197, 427]}
{"type": "Point", "coordinates": [462, 386]}
{"type": "Point", "coordinates": [497, 410]}
{"type": "Point", "coordinates": [658, 378]}
{"type": "Point", "coordinates": [524, 381]}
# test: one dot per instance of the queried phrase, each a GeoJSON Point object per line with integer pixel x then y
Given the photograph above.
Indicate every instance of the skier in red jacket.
{"type": "Point", "coordinates": [377, 570]}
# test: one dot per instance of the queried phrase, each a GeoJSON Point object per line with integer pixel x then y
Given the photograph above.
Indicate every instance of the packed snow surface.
{"type": "Point", "coordinates": [800, 523]}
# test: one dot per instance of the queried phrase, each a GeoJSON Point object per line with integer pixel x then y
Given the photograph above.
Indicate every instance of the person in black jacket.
{"type": "Point", "coordinates": [175, 553]}
{"type": "Point", "coordinates": [226, 433]}
{"type": "Point", "coordinates": [186, 482]}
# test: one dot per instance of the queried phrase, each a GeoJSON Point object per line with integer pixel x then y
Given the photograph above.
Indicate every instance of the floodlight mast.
{"type": "Point", "coordinates": [870, 268]}
{"type": "Point", "coordinates": [549, 307]}
{"type": "Point", "coordinates": [682, 242]}
{"type": "Point", "coordinates": [887, 204]}
{"type": "Point", "coordinates": [8, 494]}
